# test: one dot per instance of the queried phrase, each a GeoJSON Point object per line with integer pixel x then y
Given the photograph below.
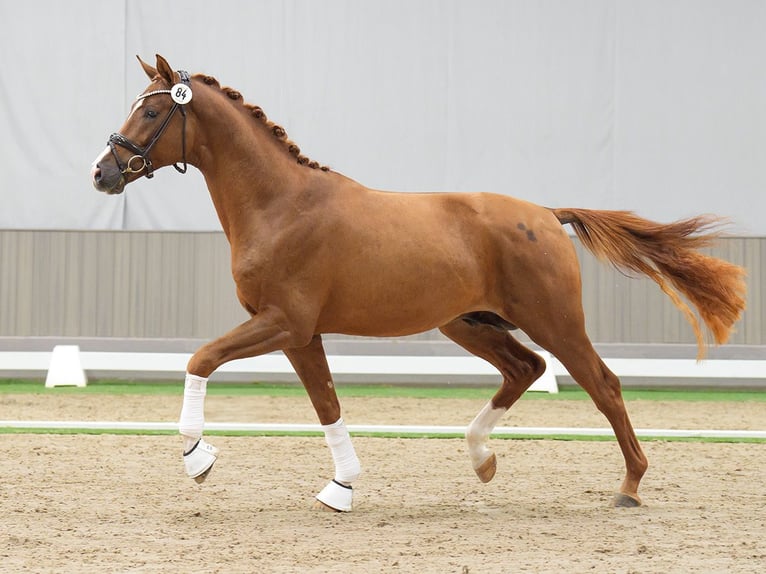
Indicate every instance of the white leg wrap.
{"type": "Point", "coordinates": [347, 467]}
{"type": "Point", "coordinates": [192, 420]}
{"type": "Point", "coordinates": [478, 433]}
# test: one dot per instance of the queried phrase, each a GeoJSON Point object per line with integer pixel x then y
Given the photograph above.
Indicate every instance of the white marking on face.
{"type": "Point", "coordinates": [479, 430]}
{"type": "Point", "coordinates": [137, 104]}
{"type": "Point", "coordinates": [98, 160]}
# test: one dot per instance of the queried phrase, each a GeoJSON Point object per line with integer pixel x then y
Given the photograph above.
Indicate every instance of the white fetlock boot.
{"type": "Point", "coordinates": [337, 496]}
{"type": "Point", "coordinates": [199, 460]}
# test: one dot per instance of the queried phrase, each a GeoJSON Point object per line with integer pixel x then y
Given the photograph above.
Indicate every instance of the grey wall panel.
{"type": "Point", "coordinates": [113, 284]}
{"type": "Point", "coordinates": [622, 309]}
{"type": "Point", "coordinates": [178, 285]}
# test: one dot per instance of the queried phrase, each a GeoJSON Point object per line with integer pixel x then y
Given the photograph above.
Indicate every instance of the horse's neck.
{"type": "Point", "coordinates": [249, 177]}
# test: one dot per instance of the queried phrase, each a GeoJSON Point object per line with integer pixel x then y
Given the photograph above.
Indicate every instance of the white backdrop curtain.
{"type": "Point", "coordinates": [655, 106]}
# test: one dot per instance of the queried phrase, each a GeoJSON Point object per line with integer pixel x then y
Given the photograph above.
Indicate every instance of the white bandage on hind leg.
{"type": "Point", "coordinates": [479, 430]}
{"type": "Point", "coordinates": [192, 419]}
{"type": "Point", "coordinates": [347, 467]}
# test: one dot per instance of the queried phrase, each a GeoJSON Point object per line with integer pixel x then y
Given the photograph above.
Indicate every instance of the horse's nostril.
{"type": "Point", "coordinates": [97, 173]}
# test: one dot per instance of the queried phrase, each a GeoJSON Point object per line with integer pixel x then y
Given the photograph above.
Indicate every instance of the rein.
{"type": "Point", "coordinates": [181, 95]}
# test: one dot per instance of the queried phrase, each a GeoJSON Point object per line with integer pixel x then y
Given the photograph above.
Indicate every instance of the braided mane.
{"type": "Point", "coordinates": [277, 130]}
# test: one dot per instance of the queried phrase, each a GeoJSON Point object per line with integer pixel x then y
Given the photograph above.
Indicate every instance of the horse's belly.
{"type": "Point", "coordinates": [396, 308]}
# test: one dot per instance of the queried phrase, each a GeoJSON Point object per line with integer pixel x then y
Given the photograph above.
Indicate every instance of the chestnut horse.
{"type": "Point", "coordinates": [315, 252]}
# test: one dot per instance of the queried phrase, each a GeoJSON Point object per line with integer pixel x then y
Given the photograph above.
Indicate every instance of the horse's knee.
{"type": "Point", "coordinates": [202, 363]}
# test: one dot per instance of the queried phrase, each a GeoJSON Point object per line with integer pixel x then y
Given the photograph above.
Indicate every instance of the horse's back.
{"type": "Point", "coordinates": [501, 228]}
{"type": "Point", "coordinates": [466, 228]}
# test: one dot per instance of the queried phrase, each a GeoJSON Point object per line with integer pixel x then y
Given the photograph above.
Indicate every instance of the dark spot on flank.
{"type": "Point", "coordinates": [531, 235]}
{"type": "Point", "coordinates": [521, 226]}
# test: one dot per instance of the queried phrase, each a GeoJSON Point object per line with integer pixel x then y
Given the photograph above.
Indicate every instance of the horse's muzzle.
{"type": "Point", "coordinates": [107, 178]}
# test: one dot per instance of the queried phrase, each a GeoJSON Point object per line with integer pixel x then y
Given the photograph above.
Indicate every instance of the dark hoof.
{"type": "Point", "coordinates": [622, 500]}
{"type": "Point", "coordinates": [322, 507]}
{"type": "Point", "coordinates": [201, 478]}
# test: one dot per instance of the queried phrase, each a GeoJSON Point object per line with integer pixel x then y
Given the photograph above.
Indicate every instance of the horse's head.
{"type": "Point", "coordinates": [153, 135]}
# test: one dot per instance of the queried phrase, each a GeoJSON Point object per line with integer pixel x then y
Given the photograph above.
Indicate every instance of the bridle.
{"type": "Point", "coordinates": [181, 94]}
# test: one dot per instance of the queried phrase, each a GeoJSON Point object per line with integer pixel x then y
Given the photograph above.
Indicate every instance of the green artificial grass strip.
{"type": "Point", "coordinates": [113, 387]}
{"type": "Point", "coordinates": [405, 435]}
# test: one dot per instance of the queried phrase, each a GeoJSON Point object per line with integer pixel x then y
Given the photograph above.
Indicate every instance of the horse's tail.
{"type": "Point", "coordinates": [668, 254]}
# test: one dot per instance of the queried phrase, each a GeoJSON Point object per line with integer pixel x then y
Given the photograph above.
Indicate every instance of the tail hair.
{"type": "Point", "coordinates": [669, 255]}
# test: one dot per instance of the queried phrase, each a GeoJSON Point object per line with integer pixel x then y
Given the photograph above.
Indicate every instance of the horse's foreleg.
{"type": "Point", "coordinates": [520, 368]}
{"type": "Point", "coordinates": [310, 363]}
{"type": "Point", "coordinates": [261, 334]}
{"type": "Point", "coordinates": [199, 456]}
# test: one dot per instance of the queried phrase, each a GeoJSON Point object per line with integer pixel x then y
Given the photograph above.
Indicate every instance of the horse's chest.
{"type": "Point", "coordinates": [258, 276]}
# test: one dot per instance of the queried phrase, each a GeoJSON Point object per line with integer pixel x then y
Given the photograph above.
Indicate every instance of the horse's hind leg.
{"type": "Point", "coordinates": [310, 363]}
{"type": "Point", "coordinates": [603, 386]}
{"type": "Point", "coordinates": [567, 341]}
{"type": "Point", "coordinates": [520, 368]}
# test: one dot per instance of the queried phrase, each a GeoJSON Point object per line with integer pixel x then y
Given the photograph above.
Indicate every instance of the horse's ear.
{"type": "Point", "coordinates": [151, 72]}
{"type": "Point", "coordinates": [165, 71]}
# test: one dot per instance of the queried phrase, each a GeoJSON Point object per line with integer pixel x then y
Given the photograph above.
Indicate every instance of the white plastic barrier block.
{"type": "Point", "coordinates": [547, 382]}
{"type": "Point", "coordinates": [65, 368]}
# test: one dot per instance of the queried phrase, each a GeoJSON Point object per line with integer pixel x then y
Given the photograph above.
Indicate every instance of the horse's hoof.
{"type": "Point", "coordinates": [486, 471]}
{"type": "Point", "coordinates": [336, 496]}
{"type": "Point", "coordinates": [622, 500]}
{"type": "Point", "coordinates": [199, 479]}
{"type": "Point", "coordinates": [322, 507]}
{"type": "Point", "coordinates": [199, 460]}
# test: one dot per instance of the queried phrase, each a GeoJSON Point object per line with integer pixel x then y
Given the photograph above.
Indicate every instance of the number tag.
{"type": "Point", "coordinates": [181, 94]}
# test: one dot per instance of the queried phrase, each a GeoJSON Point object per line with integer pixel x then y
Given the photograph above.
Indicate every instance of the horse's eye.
{"type": "Point", "coordinates": [150, 114]}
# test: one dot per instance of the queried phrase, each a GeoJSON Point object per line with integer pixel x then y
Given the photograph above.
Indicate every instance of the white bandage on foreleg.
{"type": "Point", "coordinates": [347, 467]}
{"type": "Point", "coordinates": [192, 419]}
